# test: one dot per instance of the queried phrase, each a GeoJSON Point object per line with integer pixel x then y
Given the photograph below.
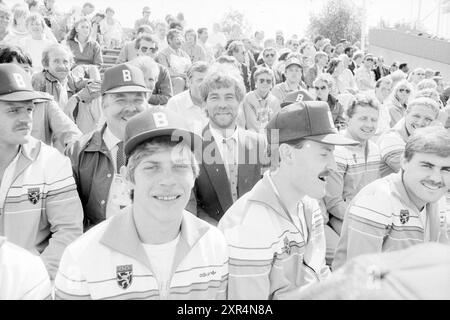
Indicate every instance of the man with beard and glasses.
{"type": "Point", "coordinates": [231, 163]}
{"type": "Point", "coordinates": [421, 112]}
{"type": "Point", "coordinates": [405, 208]}
{"type": "Point", "coordinates": [40, 208]}
{"type": "Point", "coordinates": [98, 156]}
{"type": "Point", "coordinates": [275, 232]}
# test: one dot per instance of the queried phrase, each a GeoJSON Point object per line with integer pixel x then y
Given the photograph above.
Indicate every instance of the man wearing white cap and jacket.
{"type": "Point", "coordinates": [39, 206]}
{"type": "Point", "coordinates": [275, 232]}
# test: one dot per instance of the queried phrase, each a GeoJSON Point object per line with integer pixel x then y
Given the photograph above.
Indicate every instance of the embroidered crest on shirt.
{"type": "Point", "coordinates": [404, 216]}
{"type": "Point", "coordinates": [124, 275]}
{"type": "Point", "coordinates": [287, 246]}
{"type": "Point", "coordinates": [34, 194]}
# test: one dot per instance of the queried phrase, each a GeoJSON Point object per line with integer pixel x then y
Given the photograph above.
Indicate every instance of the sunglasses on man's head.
{"type": "Point", "coordinates": [268, 81]}
{"type": "Point", "coordinates": [320, 88]}
{"type": "Point", "coordinates": [404, 90]}
{"type": "Point", "coordinates": [145, 49]}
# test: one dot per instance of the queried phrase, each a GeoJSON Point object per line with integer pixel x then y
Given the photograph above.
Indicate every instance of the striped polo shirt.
{"type": "Point", "coordinates": [110, 262]}
{"type": "Point", "coordinates": [392, 144]}
{"type": "Point", "coordinates": [357, 166]}
{"type": "Point", "coordinates": [383, 218]}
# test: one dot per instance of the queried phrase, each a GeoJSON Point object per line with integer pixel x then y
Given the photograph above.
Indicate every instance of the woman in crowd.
{"type": "Point", "coordinates": [323, 86]}
{"type": "Point", "coordinates": [36, 42]}
{"type": "Point", "coordinates": [111, 30]}
{"type": "Point", "coordinates": [335, 69]}
{"type": "Point", "coordinates": [85, 50]}
{"type": "Point", "coordinates": [190, 46]}
{"type": "Point", "coordinates": [398, 101]}
{"type": "Point", "coordinates": [260, 105]}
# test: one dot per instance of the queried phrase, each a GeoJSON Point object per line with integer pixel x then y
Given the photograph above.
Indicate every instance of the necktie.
{"type": "Point", "coordinates": [231, 165]}
{"type": "Point", "coordinates": [120, 159]}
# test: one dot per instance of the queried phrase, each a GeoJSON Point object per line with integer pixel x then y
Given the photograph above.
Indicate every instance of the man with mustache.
{"type": "Point", "coordinates": [97, 157]}
{"type": "Point", "coordinates": [421, 112]}
{"type": "Point", "coordinates": [405, 208]}
{"type": "Point", "coordinates": [275, 232]}
{"type": "Point", "coordinates": [40, 208]}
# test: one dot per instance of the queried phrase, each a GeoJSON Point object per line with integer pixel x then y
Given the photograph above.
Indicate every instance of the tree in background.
{"type": "Point", "coordinates": [235, 25]}
{"type": "Point", "coordinates": [338, 19]}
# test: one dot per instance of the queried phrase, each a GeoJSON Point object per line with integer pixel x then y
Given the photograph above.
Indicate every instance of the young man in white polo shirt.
{"type": "Point", "coordinates": [275, 232]}
{"type": "Point", "coordinates": [153, 249]}
{"type": "Point", "coordinates": [405, 208]}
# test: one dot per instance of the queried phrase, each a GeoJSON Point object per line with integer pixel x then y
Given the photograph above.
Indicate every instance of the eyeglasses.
{"type": "Point", "coordinates": [269, 55]}
{"type": "Point", "coordinates": [404, 90]}
{"type": "Point", "coordinates": [268, 81]}
{"type": "Point", "coordinates": [320, 88]}
{"type": "Point", "coordinates": [145, 49]}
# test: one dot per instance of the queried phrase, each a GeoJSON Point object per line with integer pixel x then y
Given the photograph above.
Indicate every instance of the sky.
{"type": "Point", "coordinates": [291, 16]}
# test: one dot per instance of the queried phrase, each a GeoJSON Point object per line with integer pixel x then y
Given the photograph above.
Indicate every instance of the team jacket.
{"type": "Point", "coordinates": [22, 274]}
{"type": "Point", "coordinates": [42, 211]}
{"type": "Point", "coordinates": [269, 258]}
{"type": "Point", "coordinates": [383, 218]}
{"type": "Point", "coordinates": [109, 262]}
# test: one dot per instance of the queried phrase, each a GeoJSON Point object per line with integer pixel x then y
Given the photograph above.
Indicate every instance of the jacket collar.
{"type": "Point", "coordinates": [96, 143]}
{"type": "Point", "coordinates": [121, 235]}
{"type": "Point", "coordinates": [51, 78]}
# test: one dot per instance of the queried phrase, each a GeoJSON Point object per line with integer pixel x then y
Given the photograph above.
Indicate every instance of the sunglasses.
{"type": "Point", "coordinates": [268, 81]}
{"type": "Point", "coordinates": [145, 49]}
{"type": "Point", "coordinates": [371, 60]}
{"type": "Point", "coordinates": [421, 74]}
{"type": "Point", "coordinates": [320, 88]}
{"type": "Point", "coordinates": [269, 55]}
{"type": "Point", "coordinates": [404, 90]}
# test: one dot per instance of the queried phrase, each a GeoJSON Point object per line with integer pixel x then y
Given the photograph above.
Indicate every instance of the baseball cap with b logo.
{"type": "Point", "coordinates": [157, 122]}
{"type": "Point", "coordinates": [123, 78]}
{"type": "Point", "coordinates": [15, 85]}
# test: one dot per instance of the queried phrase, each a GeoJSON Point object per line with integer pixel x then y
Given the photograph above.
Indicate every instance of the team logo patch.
{"type": "Point", "coordinates": [124, 275]}
{"type": "Point", "coordinates": [287, 246]}
{"type": "Point", "coordinates": [34, 194]}
{"type": "Point", "coordinates": [404, 216]}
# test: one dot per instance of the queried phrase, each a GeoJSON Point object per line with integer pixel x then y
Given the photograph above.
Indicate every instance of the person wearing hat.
{"type": "Point", "coordinates": [41, 210]}
{"type": "Point", "coordinates": [98, 156]}
{"type": "Point", "coordinates": [233, 159]}
{"type": "Point", "coordinates": [405, 208]}
{"type": "Point", "coordinates": [145, 20]}
{"type": "Point", "coordinates": [293, 73]}
{"type": "Point", "coordinates": [154, 249]}
{"type": "Point", "coordinates": [275, 232]}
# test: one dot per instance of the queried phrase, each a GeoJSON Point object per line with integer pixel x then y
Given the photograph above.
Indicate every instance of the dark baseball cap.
{"type": "Point", "coordinates": [311, 120]}
{"type": "Point", "coordinates": [300, 95]}
{"type": "Point", "coordinates": [123, 77]}
{"type": "Point", "coordinates": [15, 85]}
{"type": "Point", "coordinates": [157, 122]}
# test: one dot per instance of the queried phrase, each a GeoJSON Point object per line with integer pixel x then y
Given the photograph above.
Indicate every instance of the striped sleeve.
{"type": "Point", "coordinates": [63, 209]}
{"type": "Point", "coordinates": [70, 283]}
{"type": "Point", "coordinates": [333, 199]}
{"type": "Point", "coordinates": [365, 226]}
{"type": "Point", "coordinates": [391, 148]}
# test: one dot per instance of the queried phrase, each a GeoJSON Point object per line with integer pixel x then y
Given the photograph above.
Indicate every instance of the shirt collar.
{"type": "Point", "coordinates": [110, 139]}
{"type": "Point", "coordinates": [218, 137]}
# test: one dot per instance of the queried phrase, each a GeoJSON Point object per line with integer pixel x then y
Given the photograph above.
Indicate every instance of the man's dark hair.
{"type": "Point", "coordinates": [8, 54]}
{"type": "Point", "coordinates": [402, 66]}
{"type": "Point", "coordinates": [176, 25]}
{"type": "Point", "coordinates": [201, 30]}
{"type": "Point", "coordinates": [145, 37]}
{"type": "Point", "coordinates": [348, 49]}
{"type": "Point", "coordinates": [318, 38]}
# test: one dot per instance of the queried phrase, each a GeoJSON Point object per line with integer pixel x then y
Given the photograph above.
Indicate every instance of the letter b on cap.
{"type": "Point", "coordinates": [126, 75]}
{"type": "Point", "coordinates": [20, 81]}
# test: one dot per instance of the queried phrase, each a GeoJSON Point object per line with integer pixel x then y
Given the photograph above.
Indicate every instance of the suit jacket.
{"type": "Point", "coordinates": [212, 187]}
